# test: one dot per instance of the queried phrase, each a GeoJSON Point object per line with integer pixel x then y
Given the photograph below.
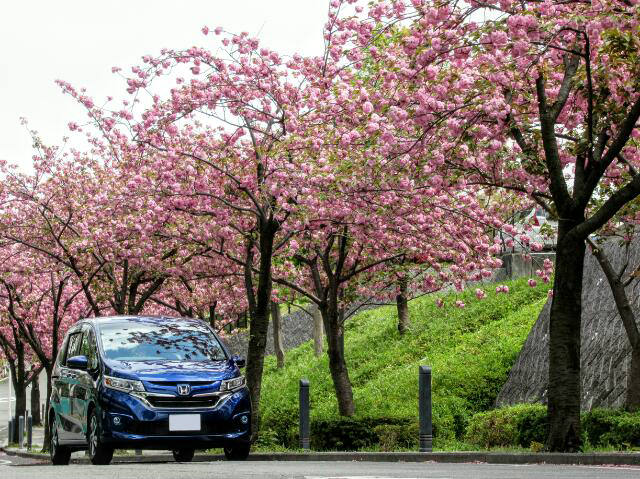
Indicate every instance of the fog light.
{"type": "Point", "coordinates": [244, 419]}
{"type": "Point", "coordinates": [116, 421]}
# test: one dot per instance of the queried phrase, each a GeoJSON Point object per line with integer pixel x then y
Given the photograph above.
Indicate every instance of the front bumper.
{"type": "Point", "coordinates": [130, 422]}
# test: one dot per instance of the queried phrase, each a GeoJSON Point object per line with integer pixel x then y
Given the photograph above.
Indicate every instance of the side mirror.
{"type": "Point", "coordinates": [78, 362]}
{"type": "Point", "coordinates": [240, 361]}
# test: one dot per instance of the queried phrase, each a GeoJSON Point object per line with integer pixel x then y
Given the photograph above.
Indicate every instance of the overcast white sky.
{"type": "Point", "coordinates": [80, 40]}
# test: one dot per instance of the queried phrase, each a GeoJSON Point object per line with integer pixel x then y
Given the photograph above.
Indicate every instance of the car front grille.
{"type": "Point", "coordinates": [182, 402]}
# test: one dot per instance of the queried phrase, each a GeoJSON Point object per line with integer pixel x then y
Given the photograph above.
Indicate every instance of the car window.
{"type": "Point", "coordinates": [74, 345]}
{"type": "Point", "coordinates": [166, 340]}
{"type": "Point", "coordinates": [63, 350]}
{"type": "Point", "coordinates": [88, 347]}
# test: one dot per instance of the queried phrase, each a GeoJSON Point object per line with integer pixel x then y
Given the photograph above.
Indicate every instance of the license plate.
{"type": "Point", "coordinates": [184, 422]}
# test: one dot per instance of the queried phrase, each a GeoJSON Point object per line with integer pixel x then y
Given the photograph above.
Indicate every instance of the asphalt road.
{"type": "Point", "coordinates": [12, 467]}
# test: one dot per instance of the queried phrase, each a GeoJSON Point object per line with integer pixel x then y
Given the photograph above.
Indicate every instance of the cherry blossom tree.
{"type": "Point", "coordinates": [82, 216]}
{"type": "Point", "coordinates": [38, 303]}
{"type": "Point", "coordinates": [223, 154]}
{"type": "Point", "coordinates": [539, 98]}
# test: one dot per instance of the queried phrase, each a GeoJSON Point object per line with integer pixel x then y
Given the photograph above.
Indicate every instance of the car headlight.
{"type": "Point", "coordinates": [126, 385]}
{"type": "Point", "coordinates": [231, 384]}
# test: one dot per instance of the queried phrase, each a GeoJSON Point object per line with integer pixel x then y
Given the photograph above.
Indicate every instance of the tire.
{"type": "Point", "coordinates": [60, 455]}
{"type": "Point", "coordinates": [99, 453]}
{"type": "Point", "coordinates": [237, 452]}
{"type": "Point", "coordinates": [183, 455]}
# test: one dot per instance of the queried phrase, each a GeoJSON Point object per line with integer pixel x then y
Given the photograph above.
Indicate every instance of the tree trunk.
{"type": "Point", "coordinates": [632, 401]}
{"type": "Point", "coordinates": [317, 331]}
{"type": "Point", "coordinates": [337, 363]}
{"type": "Point", "coordinates": [564, 343]}
{"type": "Point", "coordinates": [259, 325]}
{"type": "Point", "coordinates": [47, 433]}
{"type": "Point", "coordinates": [403, 306]}
{"type": "Point", "coordinates": [35, 400]}
{"type": "Point", "coordinates": [258, 329]}
{"type": "Point", "coordinates": [614, 278]}
{"type": "Point", "coordinates": [20, 387]}
{"type": "Point", "coordinates": [20, 408]}
{"type": "Point", "coordinates": [277, 334]}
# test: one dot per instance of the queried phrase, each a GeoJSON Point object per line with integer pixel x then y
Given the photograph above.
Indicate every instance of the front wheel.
{"type": "Point", "coordinates": [99, 453]}
{"type": "Point", "coordinates": [60, 455]}
{"type": "Point", "coordinates": [237, 452]}
{"type": "Point", "coordinates": [183, 455]}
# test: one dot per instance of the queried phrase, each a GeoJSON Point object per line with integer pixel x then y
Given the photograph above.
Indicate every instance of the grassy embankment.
{"type": "Point", "coordinates": [471, 351]}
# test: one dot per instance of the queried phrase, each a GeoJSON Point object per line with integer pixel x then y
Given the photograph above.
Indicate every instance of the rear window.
{"type": "Point", "coordinates": [166, 340]}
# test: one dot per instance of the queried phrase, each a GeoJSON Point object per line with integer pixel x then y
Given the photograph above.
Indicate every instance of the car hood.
{"type": "Point", "coordinates": [165, 371]}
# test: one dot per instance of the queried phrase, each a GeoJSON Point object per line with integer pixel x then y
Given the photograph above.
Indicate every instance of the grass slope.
{"type": "Point", "coordinates": [470, 350]}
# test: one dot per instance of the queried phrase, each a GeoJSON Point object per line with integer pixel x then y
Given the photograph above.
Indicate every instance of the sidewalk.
{"type": "Point", "coordinates": [36, 441]}
{"type": "Point", "coordinates": [586, 459]}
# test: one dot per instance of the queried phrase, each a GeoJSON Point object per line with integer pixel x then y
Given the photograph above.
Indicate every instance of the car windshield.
{"type": "Point", "coordinates": [167, 340]}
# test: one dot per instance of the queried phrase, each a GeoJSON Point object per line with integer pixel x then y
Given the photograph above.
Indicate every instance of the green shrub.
{"type": "Point", "coordinates": [598, 422]}
{"type": "Point", "coordinates": [525, 425]}
{"type": "Point", "coordinates": [532, 425]}
{"type": "Point", "coordinates": [519, 425]}
{"type": "Point", "coordinates": [352, 434]}
{"type": "Point", "coordinates": [282, 427]}
{"type": "Point", "coordinates": [268, 439]}
{"type": "Point", "coordinates": [625, 432]}
{"type": "Point", "coordinates": [611, 428]}
{"type": "Point", "coordinates": [392, 437]}
{"type": "Point", "coordinates": [492, 429]}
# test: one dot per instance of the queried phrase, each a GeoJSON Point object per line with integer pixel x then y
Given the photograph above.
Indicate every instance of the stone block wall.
{"type": "Point", "coordinates": [605, 350]}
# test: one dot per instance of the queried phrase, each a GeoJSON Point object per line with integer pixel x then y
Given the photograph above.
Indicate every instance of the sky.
{"type": "Point", "coordinates": [79, 41]}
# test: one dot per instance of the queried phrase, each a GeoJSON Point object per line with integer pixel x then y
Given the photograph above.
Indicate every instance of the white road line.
{"type": "Point", "coordinates": [371, 477]}
{"type": "Point", "coordinates": [4, 462]}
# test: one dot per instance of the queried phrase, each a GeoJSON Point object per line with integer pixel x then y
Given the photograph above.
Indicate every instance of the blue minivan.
{"type": "Point", "coordinates": [131, 382]}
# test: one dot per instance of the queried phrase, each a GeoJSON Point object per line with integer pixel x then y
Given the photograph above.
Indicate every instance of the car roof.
{"type": "Point", "coordinates": [129, 319]}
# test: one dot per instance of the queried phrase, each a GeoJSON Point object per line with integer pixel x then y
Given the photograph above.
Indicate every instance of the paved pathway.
{"type": "Point", "coordinates": [11, 467]}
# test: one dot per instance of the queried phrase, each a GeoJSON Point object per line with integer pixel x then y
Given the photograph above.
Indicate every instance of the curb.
{"type": "Point", "coordinates": [583, 459]}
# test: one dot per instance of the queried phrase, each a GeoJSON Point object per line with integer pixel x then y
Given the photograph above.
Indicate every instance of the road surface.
{"type": "Point", "coordinates": [12, 467]}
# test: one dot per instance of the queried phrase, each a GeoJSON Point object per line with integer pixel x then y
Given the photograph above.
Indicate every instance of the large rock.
{"type": "Point", "coordinates": [605, 350]}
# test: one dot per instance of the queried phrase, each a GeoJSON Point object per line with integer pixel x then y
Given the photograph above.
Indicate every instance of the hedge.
{"type": "Point", "coordinates": [525, 425]}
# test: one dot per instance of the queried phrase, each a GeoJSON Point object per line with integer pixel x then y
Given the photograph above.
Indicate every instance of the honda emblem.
{"type": "Point", "coordinates": [184, 389]}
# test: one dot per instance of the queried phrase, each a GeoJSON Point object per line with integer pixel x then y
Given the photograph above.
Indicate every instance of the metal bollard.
{"type": "Point", "coordinates": [21, 432]}
{"type": "Point", "coordinates": [304, 414]}
{"type": "Point", "coordinates": [29, 432]}
{"type": "Point", "coordinates": [11, 431]}
{"type": "Point", "coordinates": [424, 408]}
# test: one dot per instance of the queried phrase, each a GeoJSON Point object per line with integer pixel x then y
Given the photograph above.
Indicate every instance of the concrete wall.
{"type": "Point", "coordinates": [297, 328]}
{"type": "Point", "coordinates": [605, 350]}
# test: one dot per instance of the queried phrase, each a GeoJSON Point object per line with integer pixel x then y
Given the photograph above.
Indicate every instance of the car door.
{"type": "Point", "coordinates": [66, 382]}
{"type": "Point", "coordinates": [84, 380]}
